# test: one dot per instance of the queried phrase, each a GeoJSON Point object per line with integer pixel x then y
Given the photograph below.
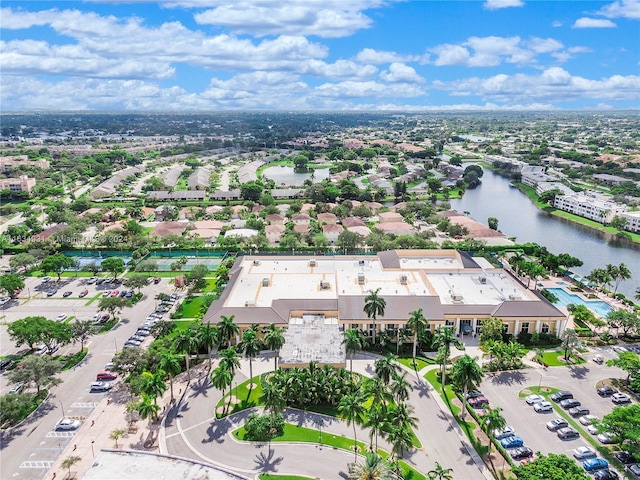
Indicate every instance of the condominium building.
{"type": "Point", "coordinates": [592, 205]}
{"type": "Point", "coordinates": [19, 184]}
{"type": "Point", "coordinates": [633, 221]}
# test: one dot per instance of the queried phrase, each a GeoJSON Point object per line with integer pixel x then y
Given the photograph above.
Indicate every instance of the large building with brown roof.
{"type": "Point", "coordinates": [450, 287]}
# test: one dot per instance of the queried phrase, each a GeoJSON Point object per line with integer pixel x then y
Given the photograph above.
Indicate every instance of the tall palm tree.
{"type": "Point", "coordinates": [230, 358]}
{"type": "Point", "coordinates": [221, 378]}
{"type": "Point", "coordinates": [418, 324]}
{"type": "Point", "coordinates": [169, 363]}
{"type": "Point", "coordinates": [379, 391]}
{"type": "Point", "coordinates": [440, 473]}
{"type": "Point", "coordinates": [401, 415]}
{"type": "Point", "coordinates": [612, 272]}
{"type": "Point", "coordinates": [353, 341]}
{"type": "Point", "coordinates": [153, 384]}
{"type": "Point", "coordinates": [400, 387]}
{"type": "Point", "coordinates": [637, 294]}
{"type": "Point", "coordinates": [186, 342]}
{"type": "Point", "coordinates": [443, 339]}
{"type": "Point", "coordinates": [466, 375]}
{"type": "Point", "coordinates": [273, 398]}
{"type": "Point", "coordinates": [147, 408]}
{"type": "Point", "coordinates": [623, 273]}
{"type": "Point", "coordinates": [373, 467]}
{"type": "Point", "coordinates": [376, 417]}
{"type": "Point", "coordinates": [274, 340]}
{"type": "Point", "coordinates": [227, 330]}
{"type": "Point", "coordinates": [386, 367]}
{"type": "Point", "coordinates": [400, 437]}
{"type": "Point", "coordinates": [351, 409]}
{"type": "Point", "coordinates": [491, 422]}
{"type": "Point", "coordinates": [374, 306]}
{"type": "Point", "coordinates": [207, 338]}
{"type": "Point", "coordinates": [251, 346]}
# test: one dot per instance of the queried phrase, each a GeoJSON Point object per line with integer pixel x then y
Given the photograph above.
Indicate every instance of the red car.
{"type": "Point", "coordinates": [84, 293]}
{"type": "Point", "coordinates": [115, 293]}
{"type": "Point", "coordinates": [106, 376]}
{"type": "Point", "coordinates": [156, 280]}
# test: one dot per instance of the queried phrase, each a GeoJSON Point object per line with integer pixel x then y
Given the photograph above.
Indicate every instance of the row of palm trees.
{"type": "Point", "coordinates": [503, 355]}
{"type": "Point", "coordinates": [603, 277]}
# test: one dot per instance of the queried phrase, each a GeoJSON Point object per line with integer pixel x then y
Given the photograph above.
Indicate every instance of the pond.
{"type": "Point", "coordinates": [286, 176]}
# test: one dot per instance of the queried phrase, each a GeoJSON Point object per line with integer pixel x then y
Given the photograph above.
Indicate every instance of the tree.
{"type": "Point", "coordinates": [186, 342]}
{"type": "Point", "coordinates": [624, 423]}
{"type": "Point", "coordinates": [147, 408]}
{"type": "Point", "coordinates": [440, 473]}
{"type": "Point", "coordinates": [251, 191]}
{"type": "Point", "coordinates": [207, 338]}
{"type": "Point", "coordinates": [274, 340]}
{"type": "Point", "coordinates": [196, 277]}
{"type": "Point", "coordinates": [353, 341]}
{"type": "Point", "coordinates": [28, 331]}
{"type": "Point", "coordinates": [70, 462]}
{"type": "Point", "coordinates": [622, 273]}
{"type": "Point", "coordinates": [491, 422]}
{"type": "Point", "coordinates": [351, 410]}
{"type": "Point", "coordinates": [153, 384]}
{"type": "Point", "coordinates": [227, 330]}
{"type": "Point", "coordinates": [136, 281]}
{"type": "Point", "coordinates": [491, 329]}
{"type": "Point", "coordinates": [418, 324]}
{"type": "Point", "coordinates": [81, 331]}
{"type": "Point", "coordinates": [466, 375]}
{"type": "Point", "coordinates": [169, 362]}
{"type": "Point", "coordinates": [372, 467]}
{"type": "Point", "coordinates": [116, 434]}
{"type": "Point", "coordinates": [273, 398]}
{"type": "Point", "coordinates": [349, 240]}
{"type": "Point", "coordinates": [387, 367]}
{"type": "Point", "coordinates": [56, 263]}
{"type": "Point", "coordinates": [630, 363]}
{"type": "Point", "coordinates": [251, 346]}
{"type": "Point", "coordinates": [629, 322]}
{"type": "Point", "coordinates": [400, 387]}
{"type": "Point", "coordinates": [40, 371]}
{"type": "Point", "coordinates": [493, 223]}
{"type": "Point", "coordinates": [113, 265]}
{"type": "Point", "coordinates": [374, 306]}
{"type": "Point", "coordinates": [221, 378]}
{"type": "Point", "coordinates": [112, 305]}
{"type": "Point", "coordinates": [22, 260]}
{"type": "Point", "coordinates": [11, 284]}
{"type": "Point", "coordinates": [443, 339]}
{"type": "Point", "coordinates": [551, 467]}
{"type": "Point", "coordinates": [570, 343]}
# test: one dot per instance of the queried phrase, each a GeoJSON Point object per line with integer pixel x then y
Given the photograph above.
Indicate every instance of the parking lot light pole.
{"type": "Point", "coordinates": [62, 407]}
{"type": "Point", "coordinates": [93, 453]}
{"type": "Point", "coordinates": [116, 344]}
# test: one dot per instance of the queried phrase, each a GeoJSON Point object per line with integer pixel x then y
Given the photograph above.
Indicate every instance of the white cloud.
{"type": "Point", "coordinates": [586, 22]}
{"type": "Point", "coordinates": [622, 9]}
{"type": "Point", "coordinates": [376, 57]}
{"type": "Point", "coordinates": [556, 24]}
{"type": "Point", "coordinates": [498, 4]}
{"type": "Point", "coordinates": [367, 89]}
{"type": "Point", "coordinates": [544, 45]}
{"type": "Point", "coordinates": [295, 17]}
{"type": "Point", "coordinates": [399, 72]}
{"type": "Point", "coordinates": [451, 55]}
{"type": "Point", "coordinates": [569, 53]}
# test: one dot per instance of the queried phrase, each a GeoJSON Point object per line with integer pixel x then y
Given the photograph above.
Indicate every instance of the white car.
{"type": "Point", "coordinates": [543, 407]}
{"type": "Point", "coordinates": [100, 386]}
{"type": "Point", "coordinates": [592, 429]}
{"type": "Point", "coordinates": [106, 293]}
{"type": "Point", "coordinates": [96, 317]}
{"type": "Point", "coordinates": [533, 399]}
{"type": "Point", "coordinates": [67, 424]}
{"type": "Point", "coordinates": [92, 280]}
{"type": "Point", "coordinates": [61, 317]}
{"type": "Point", "coordinates": [504, 433]}
{"type": "Point", "coordinates": [587, 419]}
{"type": "Point", "coordinates": [4, 301]}
{"type": "Point", "coordinates": [582, 453]}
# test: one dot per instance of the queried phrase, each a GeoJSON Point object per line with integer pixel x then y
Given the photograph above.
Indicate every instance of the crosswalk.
{"type": "Point", "coordinates": [36, 464]}
{"type": "Point", "coordinates": [61, 434]}
{"type": "Point", "coordinates": [84, 405]}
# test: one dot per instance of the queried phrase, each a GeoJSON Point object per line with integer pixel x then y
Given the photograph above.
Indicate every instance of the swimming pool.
{"type": "Point", "coordinates": [565, 298]}
{"type": "Point", "coordinates": [562, 284]}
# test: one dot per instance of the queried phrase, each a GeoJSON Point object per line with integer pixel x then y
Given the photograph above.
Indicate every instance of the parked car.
{"type": "Point", "coordinates": [129, 294]}
{"type": "Point", "coordinates": [176, 296]}
{"type": "Point", "coordinates": [606, 474]}
{"type": "Point", "coordinates": [61, 317]}
{"type": "Point", "coordinates": [556, 424]}
{"type": "Point", "coordinates": [84, 293]}
{"type": "Point", "coordinates": [68, 293]}
{"type": "Point", "coordinates": [99, 281]}
{"type": "Point", "coordinates": [137, 338]}
{"type": "Point", "coordinates": [567, 433]}
{"type": "Point", "coordinates": [46, 279]}
{"type": "Point", "coordinates": [115, 293]}
{"type": "Point", "coordinates": [593, 464]}
{"type": "Point", "coordinates": [592, 429]}
{"type": "Point", "coordinates": [96, 317]}
{"type": "Point", "coordinates": [41, 350]}
{"type": "Point", "coordinates": [533, 399]}
{"type": "Point", "coordinates": [504, 433]}
{"type": "Point", "coordinates": [51, 293]}
{"type": "Point", "coordinates": [17, 388]}
{"type": "Point", "coordinates": [512, 442]}
{"type": "Point", "coordinates": [520, 453]}
{"type": "Point", "coordinates": [570, 403]}
{"type": "Point", "coordinates": [142, 332]}
{"type": "Point", "coordinates": [100, 386]}
{"type": "Point", "coordinates": [106, 375]}
{"type": "Point", "coordinates": [156, 280]}
{"type": "Point", "coordinates": [598, 359]}
{"type": "Point", "coordinates": [606, 438]}
{"type": "Point", "coordinates": [587, 419]}
{"type": "Point", "coordinates": [560, 396]}
{"type": "Point", "coordinates": [625, 457]}
{"type": "Point", "coordinates": [543, 407]}
{"type": "Point", "coordinates": [4, 364]}
{"type": "Point", "coordinates": [92, 280]}
{"type": "Point", "coordinates": [122, 294]}
{"type": "Point", "coordinates": [108, 366]}
{"type": "Point", "coordinates": [578, 411]}
{"type": "Point", "coordinates": [67, 424]}
{"type": "Point", "coordinates": [477, 402]}
{"type": "Point", "coordinates": [104, 318]}
{"type": "Point", "coordinates": [633, 469]}
{"type": "Point", "coordinates": [106, 293]}
{"type": "Point", "coordinates": [4, 301]}
{"type": "Point", "coordinates": [133, 342]}
{"type": "Point", "coordinates": [619, 398]}
{"type": "Point", "coordinates": [582, 453]}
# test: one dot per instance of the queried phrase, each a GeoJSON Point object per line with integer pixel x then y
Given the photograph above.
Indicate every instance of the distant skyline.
{"type": "Point", "coordinates": [368, 55]}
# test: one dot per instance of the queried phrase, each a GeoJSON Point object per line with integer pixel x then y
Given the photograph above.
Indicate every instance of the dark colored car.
{"type": "Point", "coordinates": [578, 411]}
{"type": "Point", "coordinates": [633, 470]}
{"type": "Point", "coordinates": [559, 396]}
{"type": "Point", "coordinates": [606, 475]}
{"type": "Point", "coordinates": [625, 457]}
{"type": "Point", "coordinates": [4, 364]}
{"type": "Point", "coordinates": [478, 401]}
{"type": "Point", "coordinates": [567, 433]}
{"type": "Point", "coordinates": [520, 453]}
{"type": "Point", "coordinates": [67, 294]}
{"type": "Point", "coordinates": [606, 391]}
{"type": "Point", "coordinates": [156, 280]}
{"type": "Point", "coordinates": [100, 281]}
{"type": "Point", "coordinates": [570, 403]}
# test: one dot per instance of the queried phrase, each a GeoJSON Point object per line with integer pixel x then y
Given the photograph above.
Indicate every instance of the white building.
{"type": "Point", "coordinates": [542, 187]}
{"type": "Point", "coordinates": [532, 175]}
{"type": "Point", "coordinates": [591, 205]}
{"type": "Point", "coordinates": [633, 221]}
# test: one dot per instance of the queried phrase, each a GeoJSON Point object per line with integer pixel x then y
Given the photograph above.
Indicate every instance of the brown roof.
{"type": "Point", "coordinates": [398, 308]}
{"type": "Point", "coordinates": [168, 228]}
{"type": "Point", "coordinates": [352, 222]}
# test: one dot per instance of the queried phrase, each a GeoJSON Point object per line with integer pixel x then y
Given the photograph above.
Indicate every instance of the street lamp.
{"type": "Point", "coordinates": [93, 454]}
{"type": "Point", "coordinates": [62, 407]}
{"type": "Point", "coordinates": [116, 344]}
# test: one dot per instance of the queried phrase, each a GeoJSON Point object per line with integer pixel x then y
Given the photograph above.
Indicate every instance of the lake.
{"type": "Point", "coordinates": [285, 176]}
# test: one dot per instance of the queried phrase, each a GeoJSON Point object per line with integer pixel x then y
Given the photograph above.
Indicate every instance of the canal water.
{"type": "Point", "coordinates": [285, 176]}
{"type": "Point", "coordinates": [519, 217]}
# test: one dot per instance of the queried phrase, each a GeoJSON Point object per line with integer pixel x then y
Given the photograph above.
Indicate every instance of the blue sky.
{"type": "Point", "coordinates": [319, 55]}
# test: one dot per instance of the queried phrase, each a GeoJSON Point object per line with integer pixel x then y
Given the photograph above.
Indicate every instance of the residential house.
{"type": "Point", "coordinates": [327, 218]}
{"type": "Point", "coordinates": [275, 219]}
{"type": "Point", "coordinates": [274, 232]}
{"type": "Point", "coordinates": [332, 232]}
{"type": "Point", "coordinates": [301, 219]}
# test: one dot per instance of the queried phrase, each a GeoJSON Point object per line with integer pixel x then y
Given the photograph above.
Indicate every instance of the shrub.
{"type": "Point", "coordinates": [261, 428]}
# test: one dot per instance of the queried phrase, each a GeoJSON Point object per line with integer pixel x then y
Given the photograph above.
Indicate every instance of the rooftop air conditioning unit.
{"type": "Point", "coordinates": [361, 279]}
{"type": "Point", "coordinates": [265, 282]}
{"type": "Point", "coordinates": [514, 296]}
{"type": "Point", "coordinates": [403, 279]}
{"type": "Point", "coordinates": [324, 285]}
{"type": "Point", "coordinates": [482, 279]}
{"type": "Point", "coordinates": [256, 262]}
{"type": "Point", "coordinates": [249, 303]}
{"type": "Point", "coordinates": [312, 263]}
{"type": "Point", "coordinates": [361, 263]}
{"type": "Point", "coordinates": [456, 297]}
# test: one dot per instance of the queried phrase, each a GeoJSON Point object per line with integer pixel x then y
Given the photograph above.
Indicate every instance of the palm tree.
{"type": "Point", "coordinates": [402, 334]}
{"type": "Point", "coordinates": [186, 342]}
{"type": "Point", "coordinates": [378, 390]}
{"type": "Point", "coordinates": [443, 339]}
{"type": "Point", "coordinates": [376, 417]}
{"type": "Point", "coordinates": [227, 330]}
{"type": "Point", "coordinates": [273, 398]}
{"type": "Point", "coordinates": [400, 387]}
{"type": "Point", "coordinates": [466, 375]}
{"type": "Point", "coordinates": [147, 408]}
{"type": "Point", "coordinates": [274, 340]}
{"type": "Point", "coordinates": [230, 358]}
{"type": "Point", "coordinates": [374, 305]}
{"type": "Point", "coordinates": [570, 342]}
{"type": "Point", "coordinates": [153, 384]}
{"type": "Point", "coordinates": [491, 422]}
{"type": "Point", "coordinates": [623, 273]}
{"type": "Point", "coordinates": [418, 324]}
{"type": "Point", "coordinates": [440, 473]}
{"type": "Point", "coordinates": [637, 294]}
{"type": "Point", "coordinates": [373, 467]}
{"type": "Point", "coordinates": [70, 462]}
{"type": "Point", "coordinates": [353, 341]}
{"type": "Point", "coordinates": [169, 363]}
{"type": "Point", "coordinates": [400, 437]}
{"type": "Point", "coordinates": [387, 367]}
{"type": "Point", "coordinates": [251, 346]}
{"type": "Point", "coordinates": [221, 378]}
{"type": "Point", "coordinates": [116, 434]}
{"type": "Point", "coordinates": [351, 409]}
{"type": "Point", "coordinates": [208, 338]}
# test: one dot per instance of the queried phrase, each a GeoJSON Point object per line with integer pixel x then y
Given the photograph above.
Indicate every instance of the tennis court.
{"type": "Point", "coordinates": [164, 263]}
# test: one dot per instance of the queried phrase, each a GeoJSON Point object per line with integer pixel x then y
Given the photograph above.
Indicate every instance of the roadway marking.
{"type": "Point", "coordinates": [61, 434]}
{"type": "Point", "coordinates": [84, 405]}
{"type": "Point", "coordinates": [36, 464]}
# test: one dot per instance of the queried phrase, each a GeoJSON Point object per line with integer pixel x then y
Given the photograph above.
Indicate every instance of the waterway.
{"type": "Point", "coordinates": [519, 217]}
{"type": "Point", "coordinates": [286, 176]}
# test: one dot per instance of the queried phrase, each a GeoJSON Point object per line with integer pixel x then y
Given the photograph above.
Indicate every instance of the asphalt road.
{"type": "Point", "coordinates": [23, 448]}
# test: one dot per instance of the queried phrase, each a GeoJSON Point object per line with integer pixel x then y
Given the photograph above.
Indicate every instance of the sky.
{"type": "Point", "coordinates": [323, 55]}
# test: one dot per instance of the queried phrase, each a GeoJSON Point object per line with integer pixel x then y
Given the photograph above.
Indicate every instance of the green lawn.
{"type": "Point", "coordinates": [72, 360]}
{"type": "Point", "coordinates": [211, 285]}
{"type": "Point", "coordinates": [555, 358]}
{"type": "Point", "coordinates": [191, 307]}
{"type": "Point", "coordinates": [182, 325]}
{"type": "Point", "coordinates": [420, 363]}
{"type": "Point", "coordinates": [248, 399]}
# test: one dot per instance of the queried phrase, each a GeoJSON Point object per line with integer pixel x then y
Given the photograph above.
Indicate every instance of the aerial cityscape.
{"type": "Point", "coordinates": [320, 240]}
